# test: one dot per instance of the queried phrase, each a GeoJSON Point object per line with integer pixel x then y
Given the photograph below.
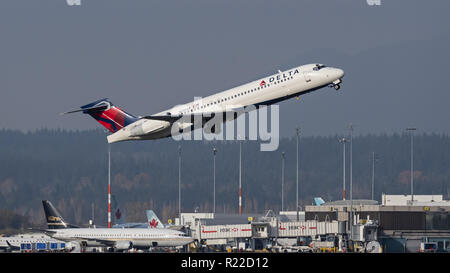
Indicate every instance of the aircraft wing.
{"type": "Point", "coordinates": [203, 115]}
{"type": "Point", "coordinates": [168, 118]}
{"type": "Point", "coordinates": [101, 241]}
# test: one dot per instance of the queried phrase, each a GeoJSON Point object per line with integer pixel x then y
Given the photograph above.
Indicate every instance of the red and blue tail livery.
{"type": "Point", "coordinates": [111, 117]}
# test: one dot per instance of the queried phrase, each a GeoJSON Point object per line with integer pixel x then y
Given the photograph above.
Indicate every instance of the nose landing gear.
{"type": "Point", "coordinates": [336, 84]}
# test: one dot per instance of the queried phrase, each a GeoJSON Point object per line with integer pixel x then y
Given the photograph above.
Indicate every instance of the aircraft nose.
{"type": "Point", "coordinates": [339, 73]}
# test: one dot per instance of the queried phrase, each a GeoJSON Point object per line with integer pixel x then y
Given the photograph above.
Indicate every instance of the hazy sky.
{"type": "Point", "coordinates": [147, 56]}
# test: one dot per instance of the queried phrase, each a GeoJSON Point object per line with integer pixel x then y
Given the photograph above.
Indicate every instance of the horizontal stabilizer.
{"type": "Point", "coordinates": [90, 109]}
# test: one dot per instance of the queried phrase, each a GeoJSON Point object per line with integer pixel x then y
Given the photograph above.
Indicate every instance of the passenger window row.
{"type": "Point", "coordinates": [241, 94]}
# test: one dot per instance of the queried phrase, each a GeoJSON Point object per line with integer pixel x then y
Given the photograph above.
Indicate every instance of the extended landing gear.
{"type": "Point", "coordinates": [336, 84]}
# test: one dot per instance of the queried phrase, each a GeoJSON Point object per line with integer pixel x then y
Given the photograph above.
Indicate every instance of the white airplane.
{"type": "Point", "coordinates": [29, 242]}
{"type": "Point", "coordinates": [152, 222]}
{"type": "Point", "coordinates": [118, 238]}
{"type": "Point", "coordinates": [265, 91]}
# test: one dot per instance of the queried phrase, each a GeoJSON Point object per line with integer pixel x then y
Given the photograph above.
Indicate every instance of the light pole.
{"type": "Point", "coordinates": [109, 185]}
{"type": "Point", "coordinates": [93, 214]}
{"type": "Point", "coordinates": [411, 130]}
{"type": "Point", "coordinates": [240, 177]}
{"type": "Point", "coordinates": [214, 180]}
{"type": "Point", "coordinates": [374, 159]}
{"type": "Point", "coordinates": [297, 132]}
{"type": "Point", "coordinates": [343, 141]}
{"type": "Point", "coordinates": [282, 180]}
{"type": "Point", "coordinates": [179, 181]}
{"type": "Point", "coordinates": [351, 181]}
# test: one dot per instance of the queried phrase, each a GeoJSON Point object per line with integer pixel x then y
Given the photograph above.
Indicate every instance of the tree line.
{"type": "Point", "coordinates": [70, 169]}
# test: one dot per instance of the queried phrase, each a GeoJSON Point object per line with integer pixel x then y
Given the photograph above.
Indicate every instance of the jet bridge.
{"type": "Point", "coordinates": [266, 230]}
{"type": "Point", "coordinates": [307, 228]}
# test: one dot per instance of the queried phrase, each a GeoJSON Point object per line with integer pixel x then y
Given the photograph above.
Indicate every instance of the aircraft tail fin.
{"type": "Point", "coordinates": [107, 114]}
{"type": "Point", "coordinates": [11, 246]}
{"type": "Point", "coordinates": [54, 218]}
{"type": "Point", "coordinates": [319, 201]}
{"type": "Point", "coordinates": [153, 220]}
{"type": "Point", "coordinates": [119, 216]}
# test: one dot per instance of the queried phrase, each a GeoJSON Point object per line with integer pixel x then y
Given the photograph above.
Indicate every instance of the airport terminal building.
{"type": "Point", "coordinates": [402, 224]}
{"type": "Point", "coordinates": [395, 225]}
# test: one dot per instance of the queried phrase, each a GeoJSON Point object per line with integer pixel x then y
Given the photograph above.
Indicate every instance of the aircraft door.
{"type": "Point", "coordinates": [307, 76]}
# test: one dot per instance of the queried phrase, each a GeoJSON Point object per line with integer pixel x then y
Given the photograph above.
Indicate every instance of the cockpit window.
{"type": "Point", "coordinates": [318, 67]}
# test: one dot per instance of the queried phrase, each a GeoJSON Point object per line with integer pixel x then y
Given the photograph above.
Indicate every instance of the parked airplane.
{"type": "Point", "coordinates": [265, 91]}
{"type": "Point", "coordinates": [117, 238]}
{"type": "Point", "coordinates": [30, 241]}
{"type": "Point", "coordinates": [120, 222]}
{"type": "Point", "coordinates": [152, 222]}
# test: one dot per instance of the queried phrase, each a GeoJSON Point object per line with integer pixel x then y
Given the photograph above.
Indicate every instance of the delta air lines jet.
{"type": "Point", "coordinates": [265, 91]}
